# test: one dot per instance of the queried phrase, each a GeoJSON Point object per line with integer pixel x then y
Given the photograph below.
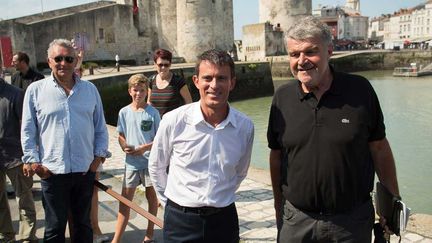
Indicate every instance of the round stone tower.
{"type": "Point", "coordinates": [203, 25]}
{"type": "Point", "coordinates": [166, 25]}
{"type": "Point", "coordinates": [283, 12]}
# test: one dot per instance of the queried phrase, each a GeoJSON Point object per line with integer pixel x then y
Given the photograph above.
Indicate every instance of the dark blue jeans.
{"type": "Point", "coordinates": [183, 226]}
{"type": "Point", "coordinates": [63, 192]}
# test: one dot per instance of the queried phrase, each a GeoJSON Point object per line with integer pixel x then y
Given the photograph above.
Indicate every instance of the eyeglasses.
{"type": "Point", "coordinates": [163, 65]}
{"type": "Point", "coordinates": [68, 59]}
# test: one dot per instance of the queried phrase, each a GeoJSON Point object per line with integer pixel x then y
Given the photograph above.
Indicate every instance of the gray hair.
{"type": "Point", "coordinates": [309, 27]}
{"type": "Point", "coordinates": [61, 42]}
{"type": "Point", "coordinates": [217, 57]}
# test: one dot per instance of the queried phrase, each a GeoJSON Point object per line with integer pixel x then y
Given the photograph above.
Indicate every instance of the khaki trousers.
{"type": "Point", "coordinates": [22, 186]}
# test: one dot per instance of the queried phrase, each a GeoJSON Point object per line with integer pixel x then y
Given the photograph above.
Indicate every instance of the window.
{"type": "Point", "coordinates": [101, 34]}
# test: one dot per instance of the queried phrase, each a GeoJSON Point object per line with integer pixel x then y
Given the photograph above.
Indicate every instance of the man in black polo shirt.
{"type": "Point", "coordinates": [25, 75]}
{"type": "Point", "coordinates": [327, 138]}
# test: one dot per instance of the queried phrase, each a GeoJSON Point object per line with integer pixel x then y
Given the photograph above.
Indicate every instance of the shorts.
{"type": "Point", "coordinates": [134, 178]}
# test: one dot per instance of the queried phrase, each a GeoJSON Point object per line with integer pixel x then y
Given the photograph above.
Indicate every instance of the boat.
{"type": "Point", "coordinates": [412, 71]}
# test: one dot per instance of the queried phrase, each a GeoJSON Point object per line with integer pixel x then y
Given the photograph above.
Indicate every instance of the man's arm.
{"type": "Point", "coordinates": [159, 159]}
{"type": "Point", "coordinates": [184, 92]}
{"type": "Point", "coordinates": [244, 162]}
{"type": "Point", "coordinates": [100, 147]}
{"type": "Point", "coordinates": [384, 164]}
{"type": "Point", "coordinates": [100, 129]}
{"type": "Point", "coordinates": [275, 174]}
{"type": "Point", "coordinates": [29, 130]}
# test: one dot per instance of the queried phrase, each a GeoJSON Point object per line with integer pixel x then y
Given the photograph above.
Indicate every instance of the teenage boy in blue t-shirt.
{"type": "Point", "coordinates": [137, 125]}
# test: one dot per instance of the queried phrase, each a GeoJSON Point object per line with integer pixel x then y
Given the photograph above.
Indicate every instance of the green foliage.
{"type": "Point", "coordinates": [252, 66]}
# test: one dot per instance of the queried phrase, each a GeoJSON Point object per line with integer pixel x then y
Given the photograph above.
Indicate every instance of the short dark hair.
{"type": "Point", "coordinates": [217, 57]}
{"type": "Point", "coordinates": [162, 54]}
{"type": "Point", "coordinates": [22, 56]}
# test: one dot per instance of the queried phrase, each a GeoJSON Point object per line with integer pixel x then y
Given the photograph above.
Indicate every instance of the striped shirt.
{"type": "Point", "coordinates": [168, 98]}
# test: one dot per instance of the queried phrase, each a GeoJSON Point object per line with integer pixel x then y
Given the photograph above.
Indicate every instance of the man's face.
{"type": "Point", "coordinates": [309, 60]}
{"type": "Point", "coordinates": [19, 66]}
{"type": "Point", "coordinates": [62, 62]}
{"type": "Point", "coordinates": [214, 84]}
{"type": "Point", "coordinates": [138, 93]}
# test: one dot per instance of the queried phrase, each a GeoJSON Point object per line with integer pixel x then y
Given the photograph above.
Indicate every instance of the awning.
{"type": "Point", "coordinates": [420, 39]}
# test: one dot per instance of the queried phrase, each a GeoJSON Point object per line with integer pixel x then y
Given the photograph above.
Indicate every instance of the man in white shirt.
{"type": "Point", "coordinates": [207, 146]}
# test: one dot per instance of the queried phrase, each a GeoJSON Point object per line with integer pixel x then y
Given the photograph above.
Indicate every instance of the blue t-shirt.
{"type": "Point", "coordinates": [139, 127]}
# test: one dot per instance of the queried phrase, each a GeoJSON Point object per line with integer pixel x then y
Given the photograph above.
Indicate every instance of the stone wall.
{"type": "Point", "coordinates": [381, 60]}
{"type": "Point", "coordinates": [21, 37]}
{"type": "Point", "coordinates": [106, 38]}
{"type": "Point", "coordinates": [254, 42]}
{"type": "Point", "coordinates": [361, 61]}
{"type": "Point", "coordinates": [283, 12]}
{"type": "Point", "coordinates": [204, 25]}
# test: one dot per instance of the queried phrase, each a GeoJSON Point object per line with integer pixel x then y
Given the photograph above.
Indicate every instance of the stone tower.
{"type": "Point", "coordinates": [353, 4]}
{"type": "Point", "coordinates": [283, 12]}
{"type": "Point", "coordinates": [166, 24]}
{"type": "Point", "coordinates": [203, 25]}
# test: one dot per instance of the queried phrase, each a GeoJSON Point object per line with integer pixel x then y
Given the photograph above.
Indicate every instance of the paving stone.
{"type": "Point", "coordinates": [413, 237]}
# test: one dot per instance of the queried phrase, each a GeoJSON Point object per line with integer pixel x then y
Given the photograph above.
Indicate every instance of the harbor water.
{"type": "Point", "coordinates": [407, 108]}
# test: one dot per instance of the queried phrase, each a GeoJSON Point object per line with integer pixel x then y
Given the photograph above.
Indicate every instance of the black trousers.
{"type": "Point", "coordinates": [353, 227]}
{"type": "Point", "coordinates": [63, 192]}
{"type": "Point", "coordinates": [193, 227]}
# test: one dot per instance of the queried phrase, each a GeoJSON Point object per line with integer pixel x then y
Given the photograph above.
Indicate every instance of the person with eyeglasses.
{"type": "Point", "coordinates": [167, 90]}
{"type": "Point", "coordinates": [64, 139]}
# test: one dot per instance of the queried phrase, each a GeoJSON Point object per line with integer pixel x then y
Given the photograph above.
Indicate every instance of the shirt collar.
{"type": "Point", "coordinates": [197, 116]}
{"type": "Point", "coordinates": [335, 87]}
{"type": "Point", "coordinates": [75, 77]}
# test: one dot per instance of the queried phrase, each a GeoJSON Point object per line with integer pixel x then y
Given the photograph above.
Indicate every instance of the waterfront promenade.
{"type": "Point", "coordinates": [254, 203]}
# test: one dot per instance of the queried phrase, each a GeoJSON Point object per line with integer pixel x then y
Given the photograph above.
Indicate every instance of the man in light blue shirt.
{"type": "Point", "coordinates": [64, 138]}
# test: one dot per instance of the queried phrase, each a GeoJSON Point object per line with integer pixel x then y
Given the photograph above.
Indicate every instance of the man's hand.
{"type": "Point", "coordinates": [95, 163]}
{"type": "Point", "coordinates": [129, 149]}
{"type": "Point", "coordinates": [141, 149]}
{"type": "Point", "coordinates": [387, 231]}
{"type": "Point", "coordinates": [36, 168]}
{"type": "Point", "coordinates": [27, 170]}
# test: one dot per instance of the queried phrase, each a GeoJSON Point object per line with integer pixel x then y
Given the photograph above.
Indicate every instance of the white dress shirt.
{"type": "Point", "coordinates": [206, 163]}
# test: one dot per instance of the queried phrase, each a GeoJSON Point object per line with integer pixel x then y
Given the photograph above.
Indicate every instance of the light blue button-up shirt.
{"type": "Point", "coordinates": [63, 132]}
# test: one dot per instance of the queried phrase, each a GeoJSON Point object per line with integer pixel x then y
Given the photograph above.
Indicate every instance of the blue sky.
{"type": "Point", "coordinates": [245, 11]}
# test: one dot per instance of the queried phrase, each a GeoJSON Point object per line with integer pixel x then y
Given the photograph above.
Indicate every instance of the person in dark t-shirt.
{"type": "Point", "coordinates": [167, 90]}
{"type": "Point", "coordinates": [25, 75]}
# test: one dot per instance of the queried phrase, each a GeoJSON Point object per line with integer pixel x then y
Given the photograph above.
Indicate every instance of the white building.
{"type": "Point", "coordinates": [422, 24]}
{"type": "Point", "coordinates": [346, 22]}
{"type": "Point", "coordinates": [376, 29]}
{"type": "Point", "coordinates": [406, 28]}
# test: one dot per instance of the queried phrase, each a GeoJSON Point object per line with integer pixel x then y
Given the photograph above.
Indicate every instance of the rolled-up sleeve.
{"type": "Point", "coordinates": [29, 129]}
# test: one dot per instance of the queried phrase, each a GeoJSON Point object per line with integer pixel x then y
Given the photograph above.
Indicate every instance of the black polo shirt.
{"type": "Point", "coordinates": [326, 161]}
{"type": "Point", "coordinates": [23, 81]}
